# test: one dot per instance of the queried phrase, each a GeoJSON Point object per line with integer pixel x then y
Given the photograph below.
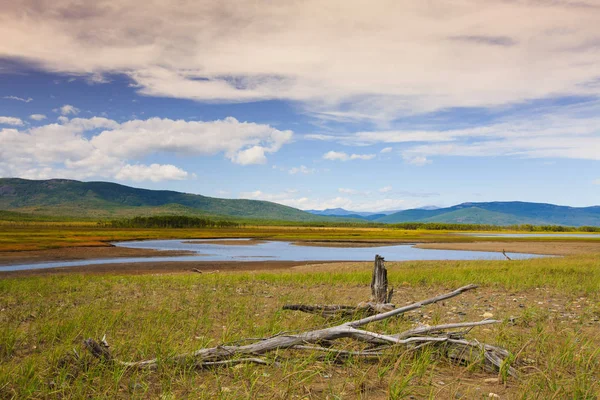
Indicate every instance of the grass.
{"type": "Point", "coordinates": [553, 303]}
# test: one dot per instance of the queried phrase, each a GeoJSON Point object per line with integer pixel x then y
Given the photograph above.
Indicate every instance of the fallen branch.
{"type": "Point", "coordinates": [455, 346]}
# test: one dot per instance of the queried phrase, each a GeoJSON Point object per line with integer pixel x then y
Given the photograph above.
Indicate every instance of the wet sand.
{"type": "Point", "coordinates": [190, 267]}
{"type": "Point", "coordinates": [82, 253]}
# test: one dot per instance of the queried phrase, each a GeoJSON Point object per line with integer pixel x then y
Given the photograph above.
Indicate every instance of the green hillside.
{"type": "Point", "coordinates": [502, 213]}
{"type": "Point", "coordinates": [60, 197]}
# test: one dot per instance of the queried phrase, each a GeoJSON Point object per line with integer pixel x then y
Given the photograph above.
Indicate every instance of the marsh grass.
{"type": "Point", "coordinates": [551, 308]}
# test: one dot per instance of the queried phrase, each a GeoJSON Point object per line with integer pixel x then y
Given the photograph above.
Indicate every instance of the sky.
{"type": "Point", "coordinates": [368, 106]}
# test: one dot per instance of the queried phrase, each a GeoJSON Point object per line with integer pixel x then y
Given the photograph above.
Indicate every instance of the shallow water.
{"type": "Point", "coordinates": [275, 251]}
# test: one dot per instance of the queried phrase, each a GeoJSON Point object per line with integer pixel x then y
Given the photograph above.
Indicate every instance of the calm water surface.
{"type": "Point", "coordinates": [276, 251]}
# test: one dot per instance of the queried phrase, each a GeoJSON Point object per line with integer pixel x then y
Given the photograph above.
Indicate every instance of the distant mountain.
{"type": "Point", "coordinates": [74, 199]}
{"type": "Point", "coordinates": [61, 197]}
{"type": "Point", "coordinates": [502, 213]}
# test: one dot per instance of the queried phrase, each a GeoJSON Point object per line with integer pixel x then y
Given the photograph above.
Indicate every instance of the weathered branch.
{"type": "Point", "coordinates": [458, 349]}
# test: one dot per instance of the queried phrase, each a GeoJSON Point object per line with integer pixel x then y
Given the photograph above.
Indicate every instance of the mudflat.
{"type": "Point", "coordinates": [164, 268]}
{"type": "Point", "coordinates": [82, 253]}
{"type": "Point", "coordinates": [549, 248]}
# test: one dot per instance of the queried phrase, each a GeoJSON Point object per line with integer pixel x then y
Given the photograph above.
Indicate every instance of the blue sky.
{"type": "Point", "coordinates": [313, 104]}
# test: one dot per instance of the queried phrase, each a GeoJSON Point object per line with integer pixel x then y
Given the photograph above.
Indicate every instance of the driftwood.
{"type": "Point", "coordinates": [452, 344]}
{"type": "Point", "coordinates": [381, 298]}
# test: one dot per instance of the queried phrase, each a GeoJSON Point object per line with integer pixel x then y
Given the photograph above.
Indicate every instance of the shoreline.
{"type": "Point", "coordinates": [114, 252]}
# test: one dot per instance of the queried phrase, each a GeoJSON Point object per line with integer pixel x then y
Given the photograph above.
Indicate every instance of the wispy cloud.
{"type": "Point", "coordinates": [303, 169]}
{"type": "Point", "coordinates": [37, 117]}
{"type": "Point", "coordinates": [504, 41]}
{"type": "Point", "coordinates": [24, 100]}
{"type": "Point", "coordinates": [341, 156]}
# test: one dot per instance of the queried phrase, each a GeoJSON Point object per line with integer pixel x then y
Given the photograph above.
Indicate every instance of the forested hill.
{"type": "Point", "coordinates": [61, 197]}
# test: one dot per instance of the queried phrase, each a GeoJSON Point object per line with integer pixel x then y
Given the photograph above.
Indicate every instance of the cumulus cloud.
{"type": "Point", "coordinates": [37, 117]}
{"type": "Point", "coordinates": [152, 172]}
{"type": "Point", "coordinates": [16, 98]}
{"type": "Point", "coordinates": [443, 55]}
{"type": "Point", "coordinates": [10, 121]}
{"type": "Point", "coordinates": [341, 156]}
{"type": "Point", "coordinates": [385, 189]}
{"type": "Point", "coordinates": [596, 182]}
{"type": "Point", "coordinates": [386, 150]}
{"type": "Point", "coordinates": [101, 147]}
{"type": "Point", "coordinates": [68, 109]}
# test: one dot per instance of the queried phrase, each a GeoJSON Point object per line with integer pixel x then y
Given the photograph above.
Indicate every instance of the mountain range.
{"type": "Point", "coordinates": [62, 197]}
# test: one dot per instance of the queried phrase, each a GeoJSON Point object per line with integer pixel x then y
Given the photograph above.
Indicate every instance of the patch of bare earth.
{"type": "Point", "coordinates": [549, 248]}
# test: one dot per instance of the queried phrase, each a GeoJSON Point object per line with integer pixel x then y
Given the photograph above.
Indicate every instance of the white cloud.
{"type": "Point", "coordinates": [294, 199]}
{"type": "Point", "coordinates": [417, 160]}
{"type": "Point", "coordinates": [386, 150]}
{"type": "Point", "coordinates": [552, 132]}
{"type": "Point", "coordinates": [27, 100]}
{"type": "Point", "coordinates": [596, 182]}
{"type": "Point", "coordinates": [37, 117]}
{"type": "Point", "coordinates": [100, 147]}
{"type": "Point", "coordinates": [68, 109]}
{"type": "Point", "coordinates": [153, 172]}
{"type": "Point", "coordinates": [10, 121]}
{"type": "Point", "coordinates": [443, 54]}
{"type": "Point", "coordinates": [347, 191]}
{"type": "Point", "coordinates": [253, 155]}
{"type": "Point", "coordinates": [303, 169]}
{"type": "Point", "coordinates": [385, 189]}
{"type": "Point", "coordinates": [341, 156]}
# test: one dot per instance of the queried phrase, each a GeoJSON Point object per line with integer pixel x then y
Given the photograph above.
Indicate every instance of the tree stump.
{"type": "Point", "coordinates": [379, 283]}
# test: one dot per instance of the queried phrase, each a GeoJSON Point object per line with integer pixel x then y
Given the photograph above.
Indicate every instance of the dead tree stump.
{"type": "Point", "coordinates": [379, 283]}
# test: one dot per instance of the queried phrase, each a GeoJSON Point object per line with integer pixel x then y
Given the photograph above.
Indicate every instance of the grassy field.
{"type": "Point", "coordinates": [554, 306]}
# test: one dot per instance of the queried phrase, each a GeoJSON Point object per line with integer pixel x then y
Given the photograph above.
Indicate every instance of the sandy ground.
{"type": "Point", "coordinates": [550, 248]}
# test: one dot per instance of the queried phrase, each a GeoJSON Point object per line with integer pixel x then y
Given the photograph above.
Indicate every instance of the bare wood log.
{"type": "Point", "coordinates": [411, 307]}
{"type": "Point", "coordinates": [441, 328]}
{"type": "Point", "coordinates": [461, 349]}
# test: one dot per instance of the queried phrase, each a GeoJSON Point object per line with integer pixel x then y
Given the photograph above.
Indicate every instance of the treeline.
{"type": "Point", "coordinates": [169, 221]}
{"type": "Point", "coordinates": [442, 226]}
